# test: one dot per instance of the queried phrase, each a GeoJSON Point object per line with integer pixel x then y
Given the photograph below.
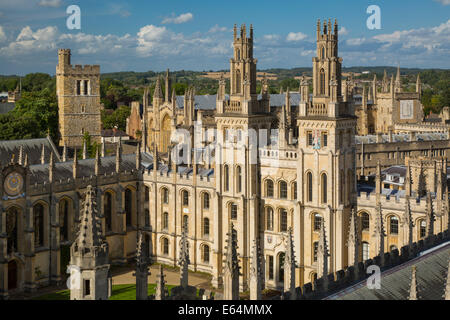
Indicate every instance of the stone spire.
{"type": "Point", "coordinates": [103, 149]}
{"type": "Point", "coordinates": [378, 184]}
{"type": "Point", "coordinates": [378, 233]}
{"type": "Point", "coordinates": [75, 164]}
{"type": "Point", "coordinates": [374, 89]}
{"type": "Point", "coordinates": [98, 162]}
{"type": "Point", "coordinates": [231, 267]}
{"type": "Point", "coordinates": [447, 286]}
{"type": "Point", "coordinates": [161, 291]}
{"type": "Point", "coordinates": [289, 267]}
{"type": "Point", "coordinates": [353, 241]}
{"type": "Point", "coordinates": [322, 253]}
{"type": "Point", "coordinates": [255, 272]}
{"type": "Point", "coordinates": [51, 168]}
{"type": "Point", "coordinates": [413, 290]}
{"type": "Point", "coordinates": [408, 181]}
{"type": "Point", "coordinates": [398, 81]}
{"type": "Point", "coordinates": [84, 149]}
{"type": "Point", "coordinates": [183, 260]}
{"type": "Point", "coordinates": [385, 82]}
{"type": "Point", "coordinates": [20, 160]}
{"type": "Point", "coordinates": [89, 254]}
{"type": "Point", "coordinates": [64, 155]}
{"type": "Point", "coordinates": [142, 271]}
{"type": "Point", "coordinates": [168, 86]}
{"type": "Point", "coordinates": [418, 84]}
{"type": "Point", "coordinates": [138, 156]}
{"type": "Point", "coordinates": [25, 163]}
{"type": "Point", "coordinates": [408, 220]}
{"type": "Point", "coordinates": [430, 215]}
{"type": "Point", "coordinates": [118, 155]}
{"type": "Point", "coordinates": [158, 92]}
{"type": "Point", "coordinates": [43, 154]}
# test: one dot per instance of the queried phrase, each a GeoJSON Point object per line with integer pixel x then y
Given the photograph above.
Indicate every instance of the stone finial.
{"type": "Point", "coordinates": [408, 180]}
{"type": "Point", "coordinates": [413, 290]}
{"type": "Point", "coordinates": [322, 253]}
{"type": "Point", "coordinates": [75, 164]}
{"type": "Point", "coordinates": [142, 272]}
{"type": "Point", "coordinates": [43, 154]}
{"type": "Point", "coordinates": [353, 241]}
{"type": "Point", "coordinates": [231, 266]}
{"type": "Point", "coordinates": [158, 92]}
{"type": "Point", "coordinates": [378, 184]}
{"type": "Point", "coordinates": [430, 215]}
{"type": "Point", "coordinates": [138, 156]}
{"type": "Point", "coordinates": [255, 272]}
{"type": "Point", "coordinates": [118, 155]}
{"type": "Point", "coordinates": [103, 149]}
{"type": "Point", "coordinates": [84, 149]}
{"type": "Point", "coordinates": [51, 168]}
{"type": "Point", "coordinates": [183, 260]}
{"type": "Point", "coordinates": [379, 233]}
{"type": "Point", "coordinates": [20, 160]}
{"type": "Point", "coordinates": [64, 154]}
{"type": "Point", "coordinates": [408, 222]}
{"type": "Point", "coordinates": [447, 286]}
{"type": "Point", "coordinates": [25, 163]}
{"type": "Point", "coordinates": [98, 162]}
{"type": "Point", "coordinates": [289, 267]}
{"type": "Point", "coordinates": [161, 292]}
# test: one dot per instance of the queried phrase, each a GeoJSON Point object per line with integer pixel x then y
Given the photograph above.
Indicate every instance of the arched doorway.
{"type": "Point", "coordinates": [12, 275]}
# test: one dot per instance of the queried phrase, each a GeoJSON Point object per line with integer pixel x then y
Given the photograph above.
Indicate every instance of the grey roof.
{"type": "Point", "coordinates": [429, 136]}
{"type": "Point", "coordinates": [31, 147]}
{"type": "Point", "coordinates": [395, 282]}
{"type": "Point", "coordinates": [208, 102]}
{"type": "Point", "coordinates": [86, 168]}
{"type": "Point", "coordinates": [6, 107]}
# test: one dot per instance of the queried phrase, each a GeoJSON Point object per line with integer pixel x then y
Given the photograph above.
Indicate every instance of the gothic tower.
{"type": "Point", "coordinates": [78, 92]}
{"type": "Point", "coordinates": [326, 162]}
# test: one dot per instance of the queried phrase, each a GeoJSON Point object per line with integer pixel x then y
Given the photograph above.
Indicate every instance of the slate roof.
{"type": "Point", "coordinates": [429, 136]}
{"type": "Point", "coordinates": [85, 168]}
{"type": "Point", "coordinates": [208, 102]}
{"type": "Point", "coordinates": [31, 147]}
{"type": "Point", "coordinates": [431, 276]}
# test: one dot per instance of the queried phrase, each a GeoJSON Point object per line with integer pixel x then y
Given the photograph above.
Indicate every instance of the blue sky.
{"type": "Point", "coordinates": [197, 35]}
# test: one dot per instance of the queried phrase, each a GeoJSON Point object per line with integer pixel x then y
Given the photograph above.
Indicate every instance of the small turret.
{"type": "Point", "coordinates": [98, 162]}
{"type": "Point", "coordinates": [75, 164]}
{"type": "Point", "coordinates": [84, 149]}
{"type": "Point", "coordinates": [413, 290]}
{"type": "Point", "coordinates": [119, 155]}
{"type": "Point", "coordinates": [20, 160]}
{"type": "Point", "coordinates": [51, 168]}
{"type": "Point", "coordinates": [43, 154]}
{"type": "Point", "coordinates": [64, 155]}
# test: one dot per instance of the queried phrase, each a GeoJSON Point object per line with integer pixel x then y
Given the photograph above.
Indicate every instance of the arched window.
{"type": "Point", "coordinates": [128, 206]}
{"type": "Point", "coordinates": [324, 188]}
{"type": "Point", "coordinates": [186, 223]}
{"type": "Point", "coordinates": [205, 226]}
{"type": "Point", "coordinates": [206, 253]}
{"type": "Point", "coordinates": [147, 195]}
{"type": "Point", "coordinates": [365, 251]}
{"type": "Point", "coordinates": [269, 219]}
{"type": "Point", "coordinates": [309, 186]}
{"type": "Point", "coordinates": [107, 209]}
{"type": "Point", "coordinates": [12, 215]}
{"type": "Point", "coordinates": [226, 177]}
{"type": "Point", "coordinates": [269, 188]}
{"type": "Point", "coordinates": [315, 250]}
{"type": "Point", "coordinates": [238, 179]}
{"type": "Point", "coordinates": [233, 211]}
{"type": "Point", "coordinates": [165, 195]}
{"type": "Point", "coordinates": [63, 220]}
{"type": "Point", "coordinates": [322, 53]}
{"type": "Point", "coordinates": [185, 197]}
{"type": "Point", "coordinates": [283, 220]}
{"type": "Point", "coordinates": [393, 225]}
{"type": "Point", "coordinates": [206, 201]}
{"type": "Point", "coordinates": [322, 82]}
{"type": "Point", "coordinates": [282, 185]}
{"type": "Point", "coordinates": [423, 229]}
{"type": "Point", "coordinates": [238, 81]}
{"type": "Point", "coordinates": [165, 246]}
{"type": "Point", "coordinates": [294, 191]}
{"type": "Point", "coordinates": [165, 221]}
{"type": "Point", "coordinates": [317, 222]}
{"type": "Point", "coordinates": [38, 213]}
{"type": "Point", "coordinates": [281, 267]}
{"type": "Point", "coordinates": [365, 221]}
{"type": "Point", "coordinates": [147, 217]}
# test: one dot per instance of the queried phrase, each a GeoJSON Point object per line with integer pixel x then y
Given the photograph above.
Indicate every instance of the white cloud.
{"type": "Point", "coordinates": [182, 18]}
{"type": "Point", "coordinates": [343, 31]}
{"type": "Point", "coordinates": [355, 41]}
{"type": "Point", "coordinates": [216, 28]}
{"type": "Point", "coordinates": [292, 36]}
{"type": "Point", "coordinates": [50, 3]}
{"type": "Point", "coordinates": [444, 2]}
{"type": "Point", "coordinates": [2, 35]}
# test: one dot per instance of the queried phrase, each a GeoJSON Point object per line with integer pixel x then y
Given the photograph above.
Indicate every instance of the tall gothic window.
{"type": "Point", "coordinates": [206, 253]}
{"type": "Point", "coordinates": [186, 222]}
{"type": "Point", "coordinates": [147, 217]}
{"type": "Point", "coordinates": [309, 186]}
{"type": "Point", "coordinates": [165, 221]}
{"type": "Point", "coordinates": [165, 246]}
{"type": "Point", "coordinates": [283, 220]}
{"type": "Point", "coordinates": [270, 265]}
{"type": "Point", "coordinates": [107, 209]}
{"type": "Point", "coordinates": [317, 222]}
{"type": "Point", "coordinates": [226, 173]}
{"type": "Point", "coordinates": [322, 82]}
{"type": "Point", "coordinates": [423, 229]}
{"type": "Point", "coordinates": [38, 213]}
{"type": "Point", "coordinates": [315, 250]}
{"type": "Point", "coordinates": [365, 221]}
{"type": "Point", "coordinates": [86, 87]}
{"type": "Point", "coordinates": [165, 195]}
{"type": "Point", "coordinates": [205, 226]}
{"type": "Point", "coordinates": [269, 188]}
{"type": "Point", "coordinates": [269, 219]}
{"type": "Point", "coordinates": [238, 81]}
{"type": "Point", "coordinates": [185, 196]}
{"type": "Point", "coordinates": [365, 251]}
{"type": "Point", "coordinates": [283, 189]}
{"type": "Point", "coordinates": [294, 191]}
{"type": "Point", "coordinates": [206, 201]}
{"type": "Point", "coordinates": [324, 188]}
{"type": "Point", "coordinates": [128, 206]}
{"type": "Point", "coordinates": [393, 225]}
{"type": "Point", "coordinates": [239, 178]}
{"type": "Point", "coordinates": [281, 267]}
{"type": "Point", "coordinates": [12, 215]}
{"type": "Point", "coordinates": [63, 220]}
{"type": "Point", "coordinates": [233, 211]}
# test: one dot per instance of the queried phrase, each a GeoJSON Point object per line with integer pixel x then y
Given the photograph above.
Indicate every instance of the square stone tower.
{"type": "Point", "coordinates": [78, 92]}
